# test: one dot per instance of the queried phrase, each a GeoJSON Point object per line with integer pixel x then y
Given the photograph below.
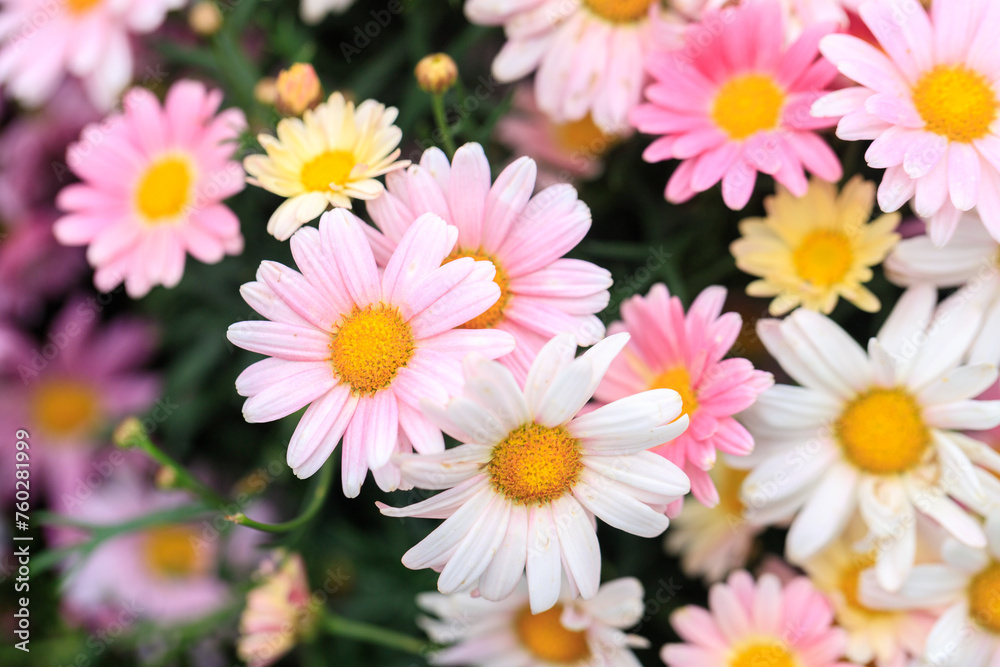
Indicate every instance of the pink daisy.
{"type": "Point", "coordinates": [153, 184]}
{"type": "Point", "coordinates": [363, 348]}
{"type": "Point", "coordinates": [671, 350]}
{"type": "Point", "coordinates": [69, 390]}
{"type": "Point", "coordinates": [757, 623]}
{"type": "Point", "coordinates": [565, 152]}
{"type": "Point", "coordinates": [929, 100]}
{"type": "Point", "coordinates": [43, 41]}
{"type": "Point", "coordinates": [167, 573]}
{"type": "Point", "coordinates": [542, 294]}
{"type": "Point", "coordinates": [588, 53]}
{"type": "Point", "coordinates": [738, 106]}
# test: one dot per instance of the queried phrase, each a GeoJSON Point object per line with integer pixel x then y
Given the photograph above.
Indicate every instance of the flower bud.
{"type": "Point", "coordinates": [298, 89]}
{"type": "Point", "coordinates": [436, 73]}
{"type": "Point", "coordinates": [205, 18]}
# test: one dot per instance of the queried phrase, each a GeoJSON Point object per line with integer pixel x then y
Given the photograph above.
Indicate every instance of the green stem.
{"type": "Point", "coordinates": [130, 434]}
{"type": "Point", "coordinates": [319, 493]}
{"type": "Point", "coordinates": [437, 102]}
{"type": "Point", "coordinates": [344, 627]}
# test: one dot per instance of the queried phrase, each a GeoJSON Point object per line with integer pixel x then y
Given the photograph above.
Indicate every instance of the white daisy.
{"type": "Point", "coordinates": [523, 491]}
{"type": "Point", "coordinates": [967, 586]}
{"type": "Point", "coordinates": [877, 432]}
{"type": "Point", "coordinates": [579, 633]}
{"type": "Point", "coordinates": [971, 260]}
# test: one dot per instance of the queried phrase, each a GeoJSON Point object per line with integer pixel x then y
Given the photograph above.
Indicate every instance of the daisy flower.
{"type": "Point", "coordinates": [523, 489]}
{"type": "Point", "coordinates": [800, 14]}
{"type": "Point", "coordinates": [588, 53]}
{"type": "Point", "coordinates": [729, 116]}
{"type": "Point", "coordinates": [564, 151]}
{"type": "Point", "coordinates": [43, 41]}
{"type": "Point", "coordinates": [714, 541]}
{"type": "Point", "coordinates": [966, 584]}
{"type": "Point", "coordinates": [972, 259]}
{"type": "Point", "coordinates": [671, 350]}
{"type": "Point", "coordinates": [928, 99]}
{"type": "Point", "coordinates": [541, 292]}
{"type": "Point", "coordinates": [279, 611]}
{"type": "Point", "coordinates": [362, 348]}
{"type": "Point", "coordinates": [326, 158]}
{"type": "Point", "coordinates": [69, 389]}
{"type": "Point", "coordinates": [153, 184]}
{"type": "Point", "coordinates": [757, 623]}
{"type": "Point", "coordinates": [168, 573]}
{"type": "Point", "coordinates": [877, 433]}
{"type": "Point", "coordinates": [313, 11]}
{"type": "Point", "coordinates": [578, 633]}
{"type": "Point", "coordinates": [887, 637]}
{"type": "Point", "coordinates": [812, 250]}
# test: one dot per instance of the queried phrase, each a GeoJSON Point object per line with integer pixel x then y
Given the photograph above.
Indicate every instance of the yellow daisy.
{"type": "Point", "coordinates": [811, 250]}
{"type": "Point", "coordinates": [328, 157]}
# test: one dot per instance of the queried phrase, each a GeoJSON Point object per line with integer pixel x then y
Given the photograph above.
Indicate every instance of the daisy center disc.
{"type": "Point", "coordinates": [679, 380]}
{"type": "Point", "coordinates": [823, 258]}
{"type": "Point", "coordinates": [581, 137]}
{"type": "Point", "coordinates": [81, 6]}
{"type": "Point", "coordinates": [956, 102]}
{"type": "Point", "coordinates": [748, 104]}
{"type": "Point", "coordinates": [370, 346]}
{"type": "Point", "coordinates": [172, 552]}
{"type": "Point", "coordinates": [850, 578]}
{"type": "Point", "coordinates": [64, 408]}
{"type": "Point", "coordinates": [535, 464]}
{"type": "Point", "coordinates": [984, 593]}
{"type": "Point", "coordinates": [883, 432]}
{"type": "Point", "coordinates": [730, 482]}
{"type": "Point", "coordinates": [620, 11]}
{"type": "Point", "coordinates": [547, 639]}
{"type": "Point", "coordinates": [164, 189]}
{"type": "Point", "coordinates": [331, 167]}
{"type": "Point", "coordinates": [767, 652]}
{"type": "Point", "coordinates": [491, 317]}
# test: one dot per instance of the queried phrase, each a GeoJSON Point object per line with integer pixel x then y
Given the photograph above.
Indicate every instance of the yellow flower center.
{"type": "Point", "coordinates": [370, 346]}
{"type": "Point", "coordinates": [765, 652]}
{"type": "Point", "coordinates": [748, 104]}
{"type": "Point", "coordinates": [491, 317]}
{"type": "Point", "coordinates": [956, 102]}
{"type": "Point", "coordinates": [730, 483]}
{"type": "Point", "coordinates": [64, 407]}
{"type": "Point", "coordinates": [883, 431]}
{"type": "Point", "coordinates": [824, 257]}
{"type": "Point", "coordinates": [679, 380]}
{"type": "Point", "coordinates": [850, 577]}
{"type": "Point", "coordinates": [331, 167]}
{"type": "Point", "coordinates": [164, 189]}
{"type": "Point", "coordinates": [172, 552]}
{"type": "Point", "coordinates": [81, 6]}
{"type": "Point", "coordinates": [984, 598]}
{"type": "Point", "coordinates": [547, 639]}
{"type": "Point", "coordinates": [535, 464]}
{"type": "Point", "coordinates": [582, 137]}
{"type": "Point", "coordinates": [619, 11]}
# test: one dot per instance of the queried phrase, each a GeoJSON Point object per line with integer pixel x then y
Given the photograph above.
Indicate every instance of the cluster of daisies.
{"type": "Point", "coordinates": [436, 337]}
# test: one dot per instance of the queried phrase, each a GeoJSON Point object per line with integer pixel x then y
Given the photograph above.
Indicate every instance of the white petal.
{"type": "Point", "coordinates": [502, 575]}
{"type": "Point", "coordinates": [544, 562]}
{"type": "Point", "coordinates": [825, 515]}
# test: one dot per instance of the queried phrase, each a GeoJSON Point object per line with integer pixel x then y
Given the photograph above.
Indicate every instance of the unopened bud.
{"type": "Point", "coordinates": [205, 18]}
{"type": "Point", "coordinates": [129, 433]}
{"type": "Point", "coordinates": [166, 478]}
{"type": "Point", "coordinates": [266, 91]}
{"type": "Point", "coordinates": [436, 73]}
{"type": "Point", "coordinates": [298, 89]}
